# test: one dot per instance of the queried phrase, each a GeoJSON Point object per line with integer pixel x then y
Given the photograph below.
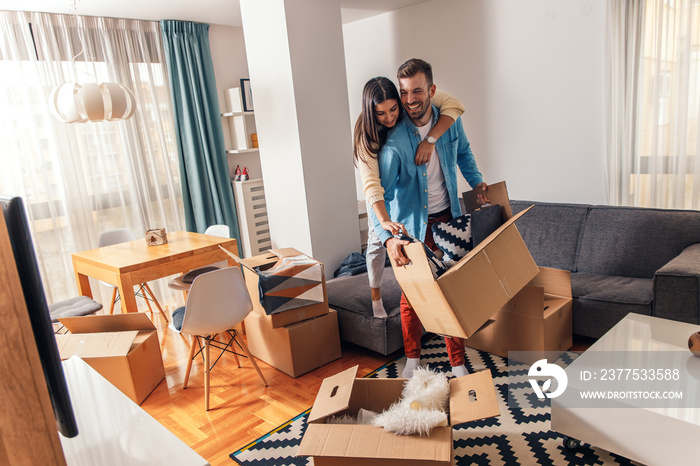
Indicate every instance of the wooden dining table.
{"type": "Point", "coordinates": [134, 262]}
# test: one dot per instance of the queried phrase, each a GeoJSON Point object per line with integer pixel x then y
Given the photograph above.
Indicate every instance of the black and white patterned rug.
{"type": "Point", "coordinates": [521, 435]}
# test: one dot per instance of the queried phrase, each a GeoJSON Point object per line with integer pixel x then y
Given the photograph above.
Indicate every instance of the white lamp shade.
{"type": "Point", "coordinates": [80, 103]}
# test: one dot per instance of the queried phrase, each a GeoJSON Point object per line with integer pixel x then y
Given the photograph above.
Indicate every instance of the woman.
{"type": "Point", "coordinates": [381, 110]}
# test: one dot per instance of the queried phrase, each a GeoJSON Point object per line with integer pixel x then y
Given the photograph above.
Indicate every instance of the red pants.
{"type": "Point", "coordinates": [410, 323]}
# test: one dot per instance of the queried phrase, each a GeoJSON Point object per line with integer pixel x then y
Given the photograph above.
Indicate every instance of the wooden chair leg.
{"type": "Point", "coordinates": [251, 359]}
{"type": "Point", "coordinates": [206, 374]}
{"type": "Point", "coordinates": [114, 300]}
{"type": "Point", "coordinates": [145, 298]}
{"type": "Point", "coordinates": [148, 289]}
{"type": "Point", "coordinates": [189, 360]}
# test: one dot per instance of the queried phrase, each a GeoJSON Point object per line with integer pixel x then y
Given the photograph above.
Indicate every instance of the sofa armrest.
{"type": "Point", "coordinates": [677, 287]}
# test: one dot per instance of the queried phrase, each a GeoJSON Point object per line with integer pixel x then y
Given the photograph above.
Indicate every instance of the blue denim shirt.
{"type": "Point", "coordinates": [406, 184]}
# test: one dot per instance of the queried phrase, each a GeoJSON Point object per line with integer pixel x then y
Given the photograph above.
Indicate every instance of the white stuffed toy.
{"type": "Point", "coordinates": [421, 407]}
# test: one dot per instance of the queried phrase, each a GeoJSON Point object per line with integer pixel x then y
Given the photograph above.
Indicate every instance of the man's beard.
{"type": "Point", "coordinates": [423, 109]}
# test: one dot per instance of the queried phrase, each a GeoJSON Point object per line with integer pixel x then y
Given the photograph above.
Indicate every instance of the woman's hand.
{"type": "Point", "coordinates": [394, 248]}
{"type": "Point", "coordinates": [393, 227]}
{"type": "Point", "coordinates": [423, 153]}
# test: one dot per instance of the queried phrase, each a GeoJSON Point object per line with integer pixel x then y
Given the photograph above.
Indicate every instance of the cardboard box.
{"type": "Point", "coordinates": [297, 348]}
{"type": "Point", "coordinates": [472, 397]}
{"type": "Point", "coordinates": [291, 316]}
{"type": "Point", "coordinates": [537, 320]}
{"type": "Point", "coordinates": [123, 348]}
{"type": "Point", "coordinates": [464, 298]}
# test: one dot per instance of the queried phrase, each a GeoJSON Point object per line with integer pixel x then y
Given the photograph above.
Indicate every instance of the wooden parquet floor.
{"type": "Point", "coordinates": [241, 408]}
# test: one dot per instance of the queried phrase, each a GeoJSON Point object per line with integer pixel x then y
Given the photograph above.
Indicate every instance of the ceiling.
{"type": "Point", "coordinates": [224, 12]}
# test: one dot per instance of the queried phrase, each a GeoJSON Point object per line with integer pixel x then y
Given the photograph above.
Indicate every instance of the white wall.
{"type": "Point", "coordinates": [230, 65]}
{"type": "Point", "coordinates": [530, 73]}
{"type": "Point", "coordinates": [302, 119]}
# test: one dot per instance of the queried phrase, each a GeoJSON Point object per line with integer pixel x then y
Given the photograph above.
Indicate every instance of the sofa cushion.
{"type": "Point", "coordinates": [634, 242]}
{"type": "Point", "coordinates": [601, 301]}
{"type": "Point", "coordinates": [551, 232]}
{"type": "Point", "coordinates": [454, 238]}
{"type": "Point", "coordinates": [623, 290]}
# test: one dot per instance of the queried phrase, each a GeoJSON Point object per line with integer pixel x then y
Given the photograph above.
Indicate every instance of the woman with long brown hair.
{"type": "Point", "coordinates": [381, 110]}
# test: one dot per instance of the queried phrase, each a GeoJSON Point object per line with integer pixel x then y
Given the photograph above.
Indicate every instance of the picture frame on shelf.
{"type": "Point", "coordinates": [247, 95]}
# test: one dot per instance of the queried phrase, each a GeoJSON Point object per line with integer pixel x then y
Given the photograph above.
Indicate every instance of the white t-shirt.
{"type": "Point", "coordinates": [438, 198]}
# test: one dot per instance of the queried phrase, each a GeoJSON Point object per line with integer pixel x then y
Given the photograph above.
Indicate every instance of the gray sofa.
{"type": "Point", "coordinates": [622, 259]}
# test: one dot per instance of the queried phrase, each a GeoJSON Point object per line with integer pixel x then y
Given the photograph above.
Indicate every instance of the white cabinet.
{"type": "Point", "coordinates": [252, 216]}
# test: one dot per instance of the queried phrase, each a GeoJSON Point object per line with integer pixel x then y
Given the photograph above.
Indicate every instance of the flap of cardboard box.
{"type": "Point", "coordinates": [108, 323]}
{"type": "Point", "coordinates": [555, 282]}
{"type": "Point", "coordinates": [95, 345]}
{"type": "Point", "coordinates": [334, 394]}
{"type": "Point", "coordinates": [481, 246]}
{"type": "Point", "coordinates": [473, 397]}
{"type": "Point", "coordinates": [496, 193]}
{"type": "Point", "coordinates": [374, 443]}
{"type": "Point", "coordinates": [528, 302]}
{"type": "Point", "coordinates": [257, 261]}
{"type": "Point", "coordinates": [285, 252]}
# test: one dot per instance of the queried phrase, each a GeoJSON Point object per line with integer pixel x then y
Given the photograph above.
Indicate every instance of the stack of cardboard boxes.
{"type": "Point", "coordinates": [294, 341]}
{"type": "Point", "coordinates": [495, 297]}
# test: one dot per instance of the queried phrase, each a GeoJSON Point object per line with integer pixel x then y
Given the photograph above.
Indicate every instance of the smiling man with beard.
{"type": "Point", "coordinates": [419, 195]}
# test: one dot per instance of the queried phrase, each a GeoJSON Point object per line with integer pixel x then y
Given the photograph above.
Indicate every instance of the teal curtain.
{"type": "Point", "coordinates": [206, 188]}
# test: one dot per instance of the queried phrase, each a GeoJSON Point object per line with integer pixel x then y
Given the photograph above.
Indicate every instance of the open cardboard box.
{"type": "Point", "coordinates": [122, 347]}
{"type": "Point", "coordinates": [291, 316]}
{"type": "Point", "coordinates": [463, 299]}
{"type": "Point", "coordinates": [472, 397]}
{"type": "Point", "coordinates": [296, 348]}
{"type": "Point", "coordinates": [536, 320]}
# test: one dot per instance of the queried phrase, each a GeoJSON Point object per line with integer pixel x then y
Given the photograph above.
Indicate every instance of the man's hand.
{"type": "Point", "coordinates": [394, 227]}
{"type": "Point", "coordinates": [394, 247]}
{"type": "Point", "coordinates": [423, 153]}
{"type": "Point", "coordinates": [481, 196]}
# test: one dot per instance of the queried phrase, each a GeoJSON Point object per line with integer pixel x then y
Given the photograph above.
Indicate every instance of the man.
{"type": "Point", "coordinates": [419, 195]}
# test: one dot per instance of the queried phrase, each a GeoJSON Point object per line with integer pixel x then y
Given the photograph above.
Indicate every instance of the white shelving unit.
{"type": "Point", "coordinates": [252, 216]}
{"type": "Point", "coordinates": [249, 195]}
{"type": "Point", "coordinates": [239, 133]}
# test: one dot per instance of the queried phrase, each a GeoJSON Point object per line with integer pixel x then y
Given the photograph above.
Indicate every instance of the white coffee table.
{"type": "Point", "coordinates": [653, 436]}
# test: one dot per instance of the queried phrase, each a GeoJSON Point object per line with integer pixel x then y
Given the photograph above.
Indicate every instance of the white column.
{"type": "Point", "coordinates": [296, 63]}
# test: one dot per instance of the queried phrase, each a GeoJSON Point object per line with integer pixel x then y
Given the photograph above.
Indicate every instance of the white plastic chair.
{"type": "Point", "coordinates": [121, 235]}
{"type": "Point", "coordinates": [214, 230]}
{"type": "Point", "coordinates": [216, 303]}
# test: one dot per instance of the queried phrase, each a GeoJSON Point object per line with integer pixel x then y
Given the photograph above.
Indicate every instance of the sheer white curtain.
{"type": "Point", "coordinates": [623, 49]}
{"type": "Point", "coordinates": [81, 179]}
{"type": "Point", "coordinates": [653, 141]}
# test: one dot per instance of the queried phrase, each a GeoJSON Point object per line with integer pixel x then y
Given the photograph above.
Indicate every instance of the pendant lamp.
{"type": "Point", "coordinates": [82, 102]}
